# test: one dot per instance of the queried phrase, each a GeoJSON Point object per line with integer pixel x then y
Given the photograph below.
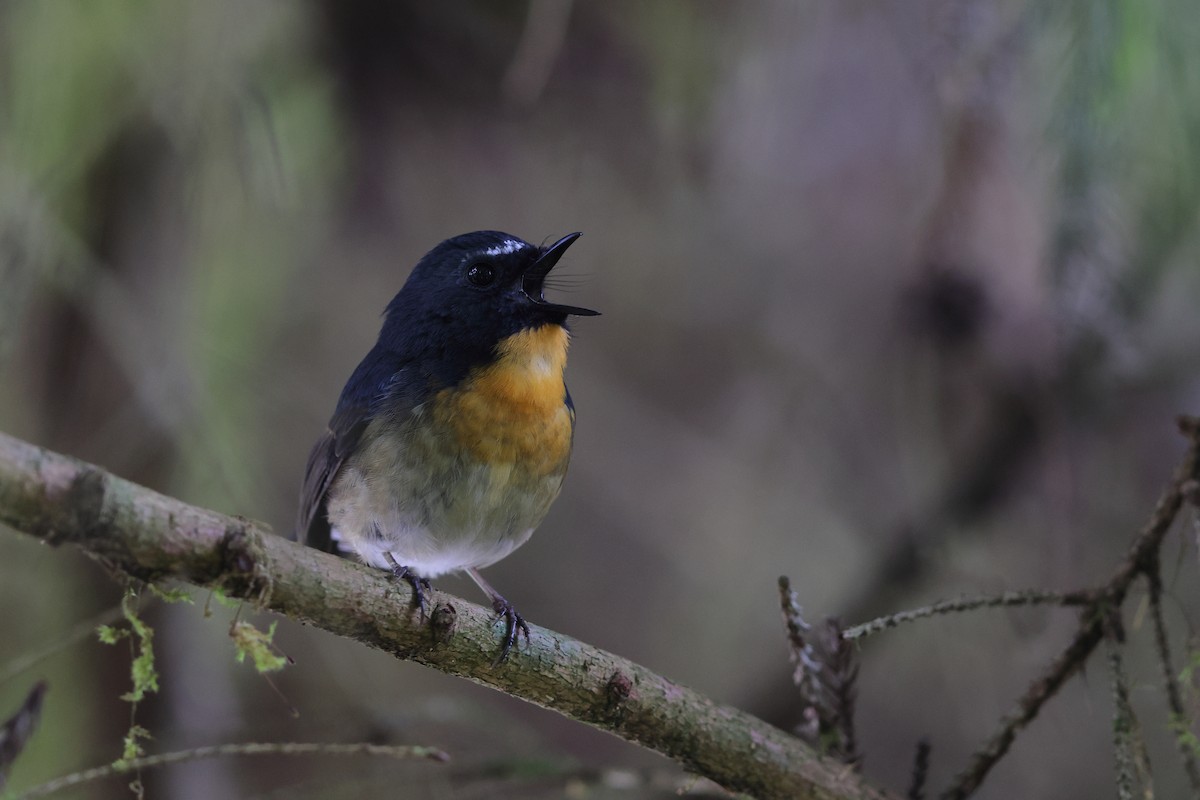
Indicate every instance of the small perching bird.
{"type": "Point", "coordinates": [451, 438]}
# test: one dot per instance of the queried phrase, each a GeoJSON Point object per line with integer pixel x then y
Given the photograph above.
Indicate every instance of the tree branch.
{"type": "Point", "coordinates": [152, 537]}
{"type": "Point", "coordinates": [1141, 556]}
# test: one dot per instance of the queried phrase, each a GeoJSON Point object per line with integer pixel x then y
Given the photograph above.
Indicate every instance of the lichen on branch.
{"type": "Point", "coordinates": [153, 537]}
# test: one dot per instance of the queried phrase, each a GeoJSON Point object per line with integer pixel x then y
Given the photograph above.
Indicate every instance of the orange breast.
{"type": "Point", "coordinates": [513, 410]}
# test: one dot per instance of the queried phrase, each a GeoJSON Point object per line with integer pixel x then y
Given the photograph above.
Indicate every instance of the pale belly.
{"type": "Point", "coordinates": [433, 506]}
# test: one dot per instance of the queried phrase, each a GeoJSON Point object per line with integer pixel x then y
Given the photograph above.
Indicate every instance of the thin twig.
{"type": "Point", "coordinates": [793, 622]}
{"type": "Point", "coordinates": [1030, 703]}
{"type": "Point", "coordinates": [1170, 683]}
{"type": "Point", "coordinates": [17, 729]}
{"type": "Point", "coordinates": [826, 673]}
{"type": "Point", "coordinates": [920, 773]}
{"type": "Point", "coordinates": [1123, 724]}
{"type": "Point", "coordinates": [82, 631]}
{"type": "Point", "coordinates": [223, 750]}
{"type": "Point", "coordinates": [1091, 625]}
{"type": "Point", "coordinates": [841, 685]}
{"type": "Point", "coordinates": [1027, 597]}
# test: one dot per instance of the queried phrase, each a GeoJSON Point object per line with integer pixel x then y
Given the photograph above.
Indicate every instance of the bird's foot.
{"type": "Point", "coordinates": [419, 585]}
{"type": "Point", "coordinates": [513, 623]}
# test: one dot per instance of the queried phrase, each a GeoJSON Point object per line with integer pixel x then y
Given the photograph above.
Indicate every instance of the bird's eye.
{"type": "Point", "coordinates": [481, 275]}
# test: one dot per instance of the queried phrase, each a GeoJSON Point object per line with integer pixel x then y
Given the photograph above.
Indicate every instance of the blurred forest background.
{"type": "Point", "coordinates": [900, 299]}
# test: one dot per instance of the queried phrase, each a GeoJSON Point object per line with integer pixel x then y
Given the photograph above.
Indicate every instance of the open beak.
{"type": "Point", "coordinates": [537, 272]}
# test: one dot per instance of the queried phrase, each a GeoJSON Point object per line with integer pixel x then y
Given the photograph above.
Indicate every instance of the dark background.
{"type": "Point", "coordinates": [900, 300]}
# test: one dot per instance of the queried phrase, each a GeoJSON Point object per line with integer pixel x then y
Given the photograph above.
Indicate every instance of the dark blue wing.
{"type": "Point", "coordinates": [380, 377]}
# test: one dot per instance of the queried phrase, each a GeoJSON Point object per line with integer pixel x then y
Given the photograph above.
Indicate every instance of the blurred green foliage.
{"type": "Point", "coordinates": [205, 205]}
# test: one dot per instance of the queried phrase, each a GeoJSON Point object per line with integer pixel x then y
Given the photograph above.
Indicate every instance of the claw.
{"type": "Point", "coordinates": [514, 622]}
{"type": "Point", "coordinates": [419, 585]}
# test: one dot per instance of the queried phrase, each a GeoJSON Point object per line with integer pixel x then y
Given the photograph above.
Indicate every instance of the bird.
{"type": "Point", "coordinates": [451, 438]}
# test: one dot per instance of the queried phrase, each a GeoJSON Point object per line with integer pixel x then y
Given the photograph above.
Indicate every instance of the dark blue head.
{"type": "Point", "coordinates": [471, 292]}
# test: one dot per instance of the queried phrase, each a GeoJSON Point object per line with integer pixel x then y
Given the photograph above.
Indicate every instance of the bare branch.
{"type": "Point", "coordinates": [826, 673]}
{"type": "Point", "coordinates": [153, 537]}
{"type": "Point", "coordinates": [1170, 683]}
{"type": "Point", "coordinates": [83, 630]}
{"type": "Point", "coordinates": [16, 730]}
{"type": "Point", "coordinates": [1023, 598]}
{"type": "Point", "coordinates": [1141, 553]}
{"type": "Point", "coordinates": [920, 773]}
{"type": "Point", "coordinates": [1126, 736]}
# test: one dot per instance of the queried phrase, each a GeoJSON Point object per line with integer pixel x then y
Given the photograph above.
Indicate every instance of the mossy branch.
{"type": "Point", "coordinates": [153, 537]}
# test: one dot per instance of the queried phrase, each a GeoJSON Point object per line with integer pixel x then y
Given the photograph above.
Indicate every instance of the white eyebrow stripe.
{"type": "Point", "coordinates": [505, 247]}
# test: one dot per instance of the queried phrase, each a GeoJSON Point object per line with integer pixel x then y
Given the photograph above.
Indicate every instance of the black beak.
{"type": "Point", "coordinates": [537, 272]}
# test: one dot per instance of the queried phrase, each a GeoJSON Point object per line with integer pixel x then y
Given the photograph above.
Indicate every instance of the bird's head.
{"type": "Point", "coordinates": [471, 292]}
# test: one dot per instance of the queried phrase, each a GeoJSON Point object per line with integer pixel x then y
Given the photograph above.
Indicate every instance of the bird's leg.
{"type": "Point", "coordinates": [504, 610]}
{"type": "Point", "coordinates": [419, 585]}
